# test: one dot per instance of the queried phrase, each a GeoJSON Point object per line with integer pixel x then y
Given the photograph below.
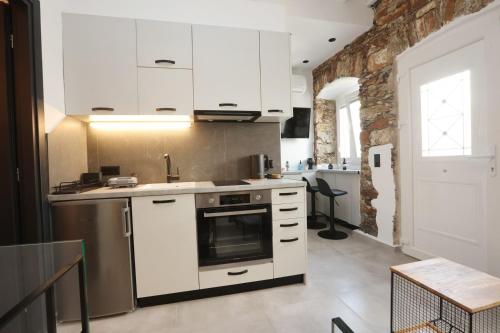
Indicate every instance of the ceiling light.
{"type": "Point", "coordinates": [331, 40]}
{"type": "Point", "coordinates": [305, 61]}
{"type": "Point", "coordinates": [140, 125]}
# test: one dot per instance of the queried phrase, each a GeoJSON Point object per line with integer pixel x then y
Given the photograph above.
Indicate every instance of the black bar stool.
{"type": "Point", "coordinates": [325, 189]}
{"type": "Point", "coordinates": [312, 221]}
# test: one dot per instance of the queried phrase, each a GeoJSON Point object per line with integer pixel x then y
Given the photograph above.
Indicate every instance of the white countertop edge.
{"type": "Point", "coordinates": [199, 187]}
{"type": "Point", "coordinates": [299, 172]}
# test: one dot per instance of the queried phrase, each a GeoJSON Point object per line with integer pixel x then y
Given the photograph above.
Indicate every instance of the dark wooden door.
{"type": "Point", "coordinates": [25, 176]}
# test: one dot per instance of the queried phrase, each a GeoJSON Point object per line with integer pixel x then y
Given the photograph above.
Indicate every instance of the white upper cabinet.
{"type": "Point", "coordinates": [165, 91]}
{"type": "Point", "coordinates": [100, 68]}
{"type": "Point", "coordinates": [275, 74]}
{"type": "Point", "coordinates": [164, 44]}
{"type": "Point", "coordinates": [226, 69]}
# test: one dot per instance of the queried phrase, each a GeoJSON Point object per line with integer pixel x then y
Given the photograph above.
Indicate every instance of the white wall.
{"type": "Point", "coordinates": [295, 150]}
{"type": "Point", "coordinates": [236, 13]}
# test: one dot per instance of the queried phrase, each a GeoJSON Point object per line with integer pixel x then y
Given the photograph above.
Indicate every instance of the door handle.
{"type": "Point", "coordinates": [289, 225]}
{"type": "Point", "coordinates": [289, 240]}
{"type": "Point", "coordinates": [127, 230]}
{"type": "Point", "coordinates": [237, 273]}
{"type": "Point", "coordinates": [163, 201]}
{"type": "Point", "coordinates": [288, 209]}
{"type": "Point", "coordinates": [165, 109]}
{"type": "Point", "coordinates": [165, 61]}
{"type": "Point", "coordinates": [289, 193]}
{"type": "Point", "coordinates": [228, 104]}
{"type": "Point", "coordinates": [102, 108]}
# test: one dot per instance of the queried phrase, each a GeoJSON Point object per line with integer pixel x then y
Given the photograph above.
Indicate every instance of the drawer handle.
{"type": "Point", "coordinates": [289, 240]}
{"type": "Point", "coordinates": [228, 104]}
{"type": "Point", "coordinates": [163, 201]}
{"type": "Point", "coordinates": [288, 209]}
{"type": "Point", "coordinates": [102, 108]}
{"type": "Point", "coordinates": [289, 225]}
{"type": "Point", "coordinates": [288, 194]}
{"type": "Point", "coordinates": [166, 109]}
{"type": "Point", "coordinates": [275, 111]}
{"type": "Point", "coordinates": [237, 273]}
{"type": "Point", "coordinates": [165, 61]}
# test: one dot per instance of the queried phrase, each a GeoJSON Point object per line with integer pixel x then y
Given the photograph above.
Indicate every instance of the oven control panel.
{"type": "Point", "coordinates": [224, 199]}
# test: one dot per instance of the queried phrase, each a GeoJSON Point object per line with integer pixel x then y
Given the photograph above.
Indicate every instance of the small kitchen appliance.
{"type": "Point", "coordinates": [118, 182]}
{"type": "Point", "coordinates": [260, 164]}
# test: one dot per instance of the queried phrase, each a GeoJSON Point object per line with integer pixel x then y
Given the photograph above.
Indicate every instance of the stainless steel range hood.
{"type": "Point", "coordinates": [226, 116]}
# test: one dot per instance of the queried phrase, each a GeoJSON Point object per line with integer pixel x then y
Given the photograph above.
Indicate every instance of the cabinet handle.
{"type": "Point", "coordinates": [237, 273]}
{"type": "Point", "coordinates": [101, 108]}
{"type": "Point", "coordinates": [288, 209]}
{"type": "Point", "coordinates": [165, 61]}
{"type": "Point", "coordinates": [166, 109]}
{"type": "Point", "coordinates": [163, 201]}
{"type": "Point", "coordinates": [289, 240]}
{"type": "Point", "coordinates": [289, 225]}
{"type": "Point", "coordinates": [289, 193]}
{"type": "Point", "coordinates": [275, 111]}
{"type": "Point", "coordinates": [228, 104]}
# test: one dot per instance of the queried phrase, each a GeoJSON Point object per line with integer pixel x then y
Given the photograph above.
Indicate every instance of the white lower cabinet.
{"type": "Point", "coordinates": [166, 257]}
{"type": "Point", "coordinates": [289, 232]}
{"type": "Point", "coordinates": [235, 274]}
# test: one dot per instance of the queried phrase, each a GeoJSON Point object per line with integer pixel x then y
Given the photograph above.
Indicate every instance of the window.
{"type": "Point", "coordinates": [349, 129]}
{"type": "Point", "coordinates": [446, 116]}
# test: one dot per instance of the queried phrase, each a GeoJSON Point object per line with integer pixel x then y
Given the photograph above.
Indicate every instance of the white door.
{"type": "Point", "coordinates": [164, 44]}
{"type": "Point", "coordinates": [100, 67]}
{"type": "Point", "coordinates": [226, 69]}
{"type": "Point", "coordinates": [448, 142]}
{"type": "Point", "coordinates": [165, 91]}
{"type": "Point", "coordinates": [276, 74]}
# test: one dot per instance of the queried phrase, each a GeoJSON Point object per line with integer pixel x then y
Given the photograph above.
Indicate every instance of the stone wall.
{"type": "Point", "coordinates": [325, 131]}
{"type": "Point", "coordinates": [398, 25]}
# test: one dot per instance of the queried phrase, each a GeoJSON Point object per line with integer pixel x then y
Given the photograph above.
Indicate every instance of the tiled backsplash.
{"type": "Point", "coordinates": [206, 151]}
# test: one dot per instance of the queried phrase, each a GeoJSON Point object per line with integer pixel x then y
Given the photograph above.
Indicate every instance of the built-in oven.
{"type": "Point", "coordinates": [234, 227]}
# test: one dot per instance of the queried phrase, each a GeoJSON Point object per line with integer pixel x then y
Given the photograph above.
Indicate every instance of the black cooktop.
{"type": "Point", "coordinates": [229, 182]}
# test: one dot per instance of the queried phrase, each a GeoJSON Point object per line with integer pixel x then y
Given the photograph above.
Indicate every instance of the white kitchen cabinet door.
{"type": "Point", "coordinates": [166, 256]}
{"type": "Point", "coordinates": [165, 91]}
{"type": "Point", "coordinates": [289, 248]}
{"type": "Point", "coordinates": [276, 74]}
{"type": "Point", "coordinates": [226, 69]}
{"type": "Point", "coordinates": [164, 44]}
{"type": "Point", "coordinates": [100, 68]}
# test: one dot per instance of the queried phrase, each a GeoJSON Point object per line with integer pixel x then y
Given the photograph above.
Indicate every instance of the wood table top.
{"type": "Point", "coordinates": [465, 287]}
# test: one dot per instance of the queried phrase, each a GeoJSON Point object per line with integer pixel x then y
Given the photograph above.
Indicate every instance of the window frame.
{"type": "Point", "coordinates": [345, 101]}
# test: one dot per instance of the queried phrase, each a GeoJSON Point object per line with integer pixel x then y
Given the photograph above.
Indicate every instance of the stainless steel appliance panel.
{"type": "Point", "coordinates": [105, 226]}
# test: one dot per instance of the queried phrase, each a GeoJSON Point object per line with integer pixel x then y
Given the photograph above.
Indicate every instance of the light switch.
{"type": "Point", "coordinates": [376, 161]}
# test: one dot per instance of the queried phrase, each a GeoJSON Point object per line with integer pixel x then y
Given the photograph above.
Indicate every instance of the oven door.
{"type": "Point", "coordinates": [234, 234]}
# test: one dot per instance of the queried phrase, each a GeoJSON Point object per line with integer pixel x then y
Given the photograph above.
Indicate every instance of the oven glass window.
{"type": "Point", "coordinates": [232, 236]}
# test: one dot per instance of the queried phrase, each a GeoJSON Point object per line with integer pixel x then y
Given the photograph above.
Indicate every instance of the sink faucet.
{"type": "Point", "coordinates": [170, 176]}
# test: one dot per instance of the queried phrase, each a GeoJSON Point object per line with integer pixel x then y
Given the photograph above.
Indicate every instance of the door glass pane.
{"type": "Point", "coordinates": [446, 116]}
{"type": "Point", "coordinates": [356, 125]}
{"type": "Point", "coordinates": [344, 134]}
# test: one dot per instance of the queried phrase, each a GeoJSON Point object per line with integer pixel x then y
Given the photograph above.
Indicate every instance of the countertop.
{"type": "Point", "coordinates": [298, 172]}
{"type": "Point", "coordinates": [176, 188]}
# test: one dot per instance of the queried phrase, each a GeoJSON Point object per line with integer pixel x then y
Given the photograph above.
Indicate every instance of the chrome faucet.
{"type": "Point", "coordinates": [170, 176]}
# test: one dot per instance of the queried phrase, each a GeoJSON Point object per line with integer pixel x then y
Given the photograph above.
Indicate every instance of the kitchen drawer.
{"type": "Point", "coordinates": [285, 227]}
{"type": "Point", "coordinates": [289, 252]}
{"type": "Point", "coordinates": [288, 195]}
{"type": "Point", "coordinates": [235, 274]}
{"type": "Point", "coordinates": [288, 211]}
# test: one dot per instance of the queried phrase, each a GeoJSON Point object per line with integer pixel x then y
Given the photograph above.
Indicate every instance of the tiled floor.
{"type": "Point", "coordinates": [348, 278]}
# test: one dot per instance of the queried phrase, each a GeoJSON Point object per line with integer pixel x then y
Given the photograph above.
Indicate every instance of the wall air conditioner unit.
{"type": "Point", "coordinates": [299, 84]}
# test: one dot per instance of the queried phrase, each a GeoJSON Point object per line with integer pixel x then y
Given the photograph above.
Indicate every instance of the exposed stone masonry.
{"type": "Point", "coordinates": [325, 131]}
{"type": "Point", "coordinates": [398, 25]}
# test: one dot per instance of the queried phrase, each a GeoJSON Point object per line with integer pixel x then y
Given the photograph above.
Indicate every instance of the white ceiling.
{"type": "Point", "coordinates": [313, 22]}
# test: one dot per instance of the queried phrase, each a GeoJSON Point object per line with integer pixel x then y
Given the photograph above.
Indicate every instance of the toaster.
{"type": "Point", "coordinates": [117, 182]}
